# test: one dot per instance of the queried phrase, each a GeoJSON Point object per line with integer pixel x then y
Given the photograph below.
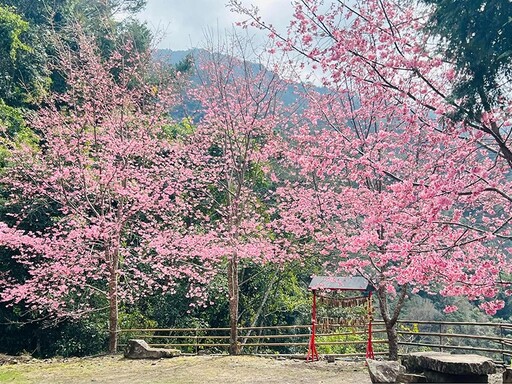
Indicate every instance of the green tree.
{"type": "Point", "coordinates": [476, 35]}
{"type": "Point", "coordinates": [110, 23]}
{"type": "Point", "coordinates": [23, 78]}
{"type": "Point", "coordinates": [29, 30]}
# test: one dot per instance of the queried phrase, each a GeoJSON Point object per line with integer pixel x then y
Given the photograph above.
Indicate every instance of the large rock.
{"type": "Point", "coordinates": [404, 378]}
{"type": "Point", "coordinates": [507, 376]}
{"type": "Point", "coordinates": [384, 371]}
{"type": "Point", "coordinates": [139, 349]}
{"type": "Point", "coordinates": [447, 363]}
{"type": "Point", "coordinates": [439, 377]}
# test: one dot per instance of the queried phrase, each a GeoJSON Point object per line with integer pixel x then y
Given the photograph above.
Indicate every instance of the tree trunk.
{"type": "Point", "coordinates": [233, 292]}
{"type": "Point", "coordinates": [113, 304]}
{"type": "Point", "coordinates": [390, 317]}
{"type": "Point", "coordinates": [392, 340]}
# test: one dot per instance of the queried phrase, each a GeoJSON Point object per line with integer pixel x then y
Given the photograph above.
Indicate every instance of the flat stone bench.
{"type": "Point", "coordinates": [439, 367]}
{"type": "Point", "coordinates": [139, 349]}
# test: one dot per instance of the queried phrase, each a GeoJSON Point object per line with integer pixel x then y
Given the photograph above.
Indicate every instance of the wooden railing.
{"type": "Point", "coordinates": [492, 339]}
{"type": "Point", "coordinates": [284, 340]}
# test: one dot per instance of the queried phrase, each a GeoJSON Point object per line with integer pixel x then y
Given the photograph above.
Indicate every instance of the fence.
{"type": "Point", "coordinates": [492, 339]}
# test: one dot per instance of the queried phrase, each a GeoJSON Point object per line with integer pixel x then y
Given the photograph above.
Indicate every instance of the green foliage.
{"type": "Point", "coordinates": [22, 71]}
{"type": "Point", "coordinates": [71, 338]}
{"type": "Point", "coordinates": [12, 27]}
{"type": "Point", "coordinates": [113, 33]}
{"type": "Point", "coordinates": [14, 130]}
{"type": "Point", "coordinates": [11, 119]}
{"type": "Point", "coordinates": [29, 32]}
{"type": "Point", "coordinates": [41, 12]}
{"type": "Point", "coordinates": [84, 338]}
{"type": "Point", "coordinates": [478, 38]}
{"type": "Point", "coordinates": [134, 318]}
{"type": "Point", "coordinates": [420, 308]}
{"type": "Point", "coordinates": [347, 335]}
{"type": "Point", "coordinates": [180, 130]}
{"type": "Point", "coordinates": [11, 123]}
{"type": "Point", "coordinates": [282, 292]}
{"type": "Point", "coordinates": [137, 32]}
{"type": "Point", "coordinates": [185, 65]}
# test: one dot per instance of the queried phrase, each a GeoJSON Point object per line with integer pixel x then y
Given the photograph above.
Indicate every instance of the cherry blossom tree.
{"type": "Point", "coordinates": [389, 44]}
{"type": "Point", "coordinates": [239, 129]}
{"type": "Point", "coordinates": [120, 187]}
{"type": "Point", "coordinates": [377, 197]}
{"type": "Point", "coordinates": [392, 184]}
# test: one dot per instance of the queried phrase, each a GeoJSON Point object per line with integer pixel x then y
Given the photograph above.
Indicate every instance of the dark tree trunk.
{"type": "Point", "coordinates": [392, 341]}
{"type": "Point", "coordinates": [233, 292]}
{"type": "Point", "coordinates": [390, 317]}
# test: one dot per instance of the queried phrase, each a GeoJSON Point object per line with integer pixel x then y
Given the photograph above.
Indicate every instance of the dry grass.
{"type": "Point", "coordinates": [190, 370]}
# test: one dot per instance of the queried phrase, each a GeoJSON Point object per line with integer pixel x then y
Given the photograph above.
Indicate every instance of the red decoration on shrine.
{"type": "Point", "coordinates": [369, 344]}
{"type": "Point", "coordinates": [337, 283]}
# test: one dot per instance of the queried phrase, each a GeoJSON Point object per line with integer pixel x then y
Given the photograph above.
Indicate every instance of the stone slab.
{"type": "Point", "coordinates": [439, 377]}
{"type": "Point", "coordinates": [411, 378]}
{"type": "Point", "coordinates": [454, 364]}
{"type": "Point", "coordinates": [139, 349]}
{"type": "Point", "coordinates": [507, 376]}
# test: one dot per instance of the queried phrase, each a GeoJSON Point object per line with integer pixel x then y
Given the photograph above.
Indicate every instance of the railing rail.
{"type": "Point", "coordinates": [492, 339]}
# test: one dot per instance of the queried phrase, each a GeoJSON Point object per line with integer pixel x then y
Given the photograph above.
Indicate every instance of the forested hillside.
{"type": "Point", "coordinates": [145, 188]}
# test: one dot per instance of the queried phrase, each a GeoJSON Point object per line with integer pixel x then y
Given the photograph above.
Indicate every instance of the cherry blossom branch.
{"type": "Point", "coordinates": [473, 228]}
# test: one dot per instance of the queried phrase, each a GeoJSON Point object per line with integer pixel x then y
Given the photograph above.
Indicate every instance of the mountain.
{"type": "Point", "coordinates": [177, 58]}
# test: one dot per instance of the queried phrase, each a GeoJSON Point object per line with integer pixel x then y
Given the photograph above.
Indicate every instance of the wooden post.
{"type": "Point", "coordinates": [502, 345]}
{"type": "Point", "coordinates": [195, 342]}
{"type": "Point", "coordinates": [440, 338]}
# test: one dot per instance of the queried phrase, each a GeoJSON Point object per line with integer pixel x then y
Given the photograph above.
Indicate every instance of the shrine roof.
{"type": "Point", "coordinates": [346, 283]}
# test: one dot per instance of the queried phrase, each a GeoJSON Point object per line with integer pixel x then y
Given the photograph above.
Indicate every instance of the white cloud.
{"type": "Point", "coordinates": [183, 24]}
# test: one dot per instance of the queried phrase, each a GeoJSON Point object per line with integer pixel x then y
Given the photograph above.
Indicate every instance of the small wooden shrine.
{"type": "Point", "coordinates": [321, 287]}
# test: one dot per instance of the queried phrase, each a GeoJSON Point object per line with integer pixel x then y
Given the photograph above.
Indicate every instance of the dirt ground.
{"type": "Point", "coordinates": [186, 370]}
